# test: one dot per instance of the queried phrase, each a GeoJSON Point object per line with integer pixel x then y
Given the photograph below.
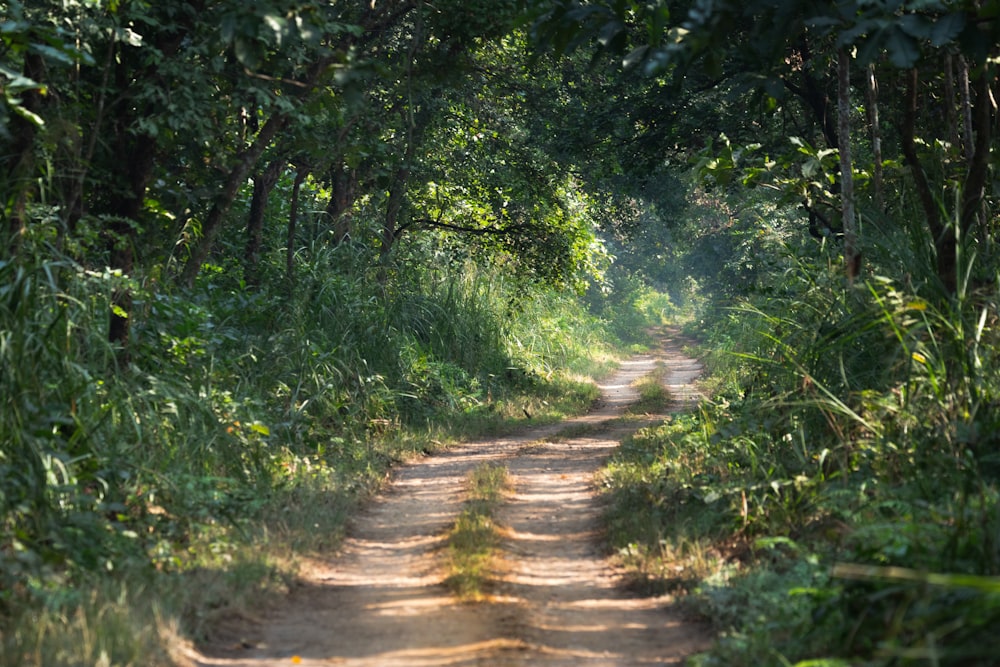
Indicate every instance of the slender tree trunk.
{"type": "Point", "coordinates": [293, 221]}
{"type": "Point", "coordinates": [344, 182]}
{"type": "Point", "coordinates": [975, 181]}
{"type": "Point", "coordinates": [245, 162]}
{"type": "Point", "coordinates": [816, 98]}
{"type": "Point", "coordinates": [852, 257]}
{"type": "Point", "coordinates": [137, 155]}
{"type": "Point", "coordinates": [263, 184]}
{"type": "Point", "coordinates": [950, 110]}
{"type": "Point", "coordinates": [132, 160]}
{"type": "Point", "coordinates": [74, 198]}
{"type": "Point", "coordinates": [963, 82]}
{"type": "Point", "coordinates": [871, 94]}
{"type": "Point", "coordinates": [945, 243]}
{"type": "Point", "coordinates": [20, 166]}
{"type": "Point", "coordinates": [395, 204]}
{"type": "Point", "coordinates": [397, 190]}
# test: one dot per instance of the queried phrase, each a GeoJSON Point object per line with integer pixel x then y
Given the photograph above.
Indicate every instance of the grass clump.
{"type": "Point", "coordinates": [475, 537]}
{"type": "Point", "coordinates": [653, 395]}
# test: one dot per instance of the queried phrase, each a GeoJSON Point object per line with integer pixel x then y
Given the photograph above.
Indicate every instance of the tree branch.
{"type": "Point", "coordinates": [479, 231]}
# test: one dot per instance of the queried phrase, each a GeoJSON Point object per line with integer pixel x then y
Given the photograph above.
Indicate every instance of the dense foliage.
{"type": "Point", "coordinates": [836, 501]}
{"type": "Point", "coordinates": [837, 496]}
{"type": "Point", "coordinates": [252, 254]}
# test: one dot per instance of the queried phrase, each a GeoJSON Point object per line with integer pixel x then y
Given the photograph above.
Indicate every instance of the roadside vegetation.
{"type": "Point", "coordinates": [835, 500]}
{"type": "Point", "coordinates": [250, 259]}
{"type": "Point", "coordinates": [170, 493]}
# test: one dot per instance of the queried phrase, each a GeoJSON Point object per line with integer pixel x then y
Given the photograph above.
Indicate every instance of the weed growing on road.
{"type": "Point", "coordinates": [653, 395]}
{"type": "Point", "coordinates": [474, 539]}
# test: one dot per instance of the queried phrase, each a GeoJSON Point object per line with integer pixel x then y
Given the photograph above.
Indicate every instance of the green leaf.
{"type": "Point", "coordinates": [257, 427]}
{"type": "Point", "coordinates": [247, 52]}
{"type": "Point", "coordinates": [915, 25]}
{"type": "Point", "coordinates": [54, 54]}
{"type": "Point", "coordinates": [17, 82]}
{"type": "Point", "coordinates": [947, 28]}
{"type": "Point", "coordinates": [871, 47]}
{"type": "Point", "coordinates": [31, 117]}
{"type": "Point", "coordinates": [902, 49]}
{"type": "Point", "coordinates": [227, 28]}
{"type": "Point", "coordinates": [611, 32]}
{"type": "Point", "coordinates": [985, 584]}
{"type": "Point", "coordinates": [857, 31]}
{"type": "Point", "coordinates": [128, 36]}
{"type": "Point", "coordinates": [635, 56]}
{"type": "Point", "coordinates": [278, 26]}
{"type": "Point", "coordinates": [774, 87]}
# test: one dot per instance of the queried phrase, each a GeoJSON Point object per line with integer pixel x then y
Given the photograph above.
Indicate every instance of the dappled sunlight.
{"type": "Point", "coordinates": [554, 599]}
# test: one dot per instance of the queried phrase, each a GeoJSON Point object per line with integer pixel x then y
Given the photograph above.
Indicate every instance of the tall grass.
{"type": "Point", "coordinates": [243, 431]}
{"type": "Point", "coordinates": [850, 446]}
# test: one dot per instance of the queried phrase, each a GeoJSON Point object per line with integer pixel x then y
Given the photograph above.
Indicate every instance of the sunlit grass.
{"type": "Point", "coordinates": [473, 541]}
{"type": "Point", "coordinates": [109, 624]}
{"type": "Point", "coordinates": [653, 395]}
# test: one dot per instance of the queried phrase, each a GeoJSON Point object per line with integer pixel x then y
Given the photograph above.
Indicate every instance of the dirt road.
{"type": "Point", "coordinates": [380, 600]}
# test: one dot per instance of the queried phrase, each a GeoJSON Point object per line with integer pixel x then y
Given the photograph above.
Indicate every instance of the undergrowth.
{"type": "Point", "coordinates": [837, 499]}
{"type": "Point", "coordinates": [143, 497]}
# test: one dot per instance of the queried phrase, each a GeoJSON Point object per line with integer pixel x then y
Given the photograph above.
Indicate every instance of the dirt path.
{"type": "Point", "coordinates": [380, 600]}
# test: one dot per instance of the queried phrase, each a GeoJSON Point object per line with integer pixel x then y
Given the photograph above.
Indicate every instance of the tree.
{"type": "Point", "coordinates": [772, 42]}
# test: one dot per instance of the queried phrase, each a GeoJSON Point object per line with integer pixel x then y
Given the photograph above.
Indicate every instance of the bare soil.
{"type": "Point", "coordinates": [558, 598]}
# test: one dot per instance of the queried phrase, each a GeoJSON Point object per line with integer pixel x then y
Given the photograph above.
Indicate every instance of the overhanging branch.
{"type": "Point", "coordinates": [479, 231]}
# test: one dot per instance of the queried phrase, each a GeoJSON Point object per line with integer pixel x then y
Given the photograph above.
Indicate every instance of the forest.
{"type": "Point", "coordinates": [256, 255]}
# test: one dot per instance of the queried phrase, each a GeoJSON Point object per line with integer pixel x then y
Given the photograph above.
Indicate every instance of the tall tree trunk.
{"type": "Point", "coordinates": [293, 221]}
{"type": "Point", "coordinates": [245, 162]}
{"type": "Point", "coordinates": [816, 98]}
{"type": "Point", "coordinates": [963, 82]}
{"type": "Point", "coordinates": [137, 155]}
{"type": "Point", "coordinates": [263, 184]}
{"type": "Point", "coordinates": [943, 235]}
{"type": "Point", "coordinates": [344, 183]}
{"type": "Point", "coordinates": [950, 110]}
{"type": "Point", "coordinates": [397, 190]}
{"type": "Point", "coordinates": [871, 103]}
{"type": "Point", "coordinates": [20, 165]}
{"type": "Point", "coordinates": [74, 207]}
{"type": "Point", "coordinates": [852, 257]}
{"type": "Point", "coordinates": [394, 205]}
{"type": "Point", "coordinates": [132, 162]}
